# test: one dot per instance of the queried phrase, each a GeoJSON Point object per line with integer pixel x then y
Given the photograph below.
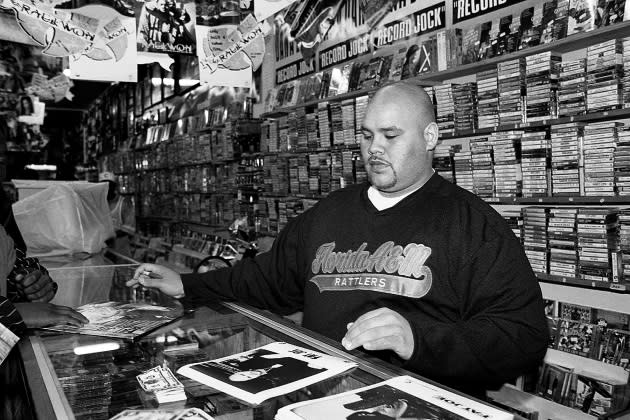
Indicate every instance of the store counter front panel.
{"type": "Point", "coordinates": [94, 376]}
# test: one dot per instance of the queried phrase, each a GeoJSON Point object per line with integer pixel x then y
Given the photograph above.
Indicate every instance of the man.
{"type": "Point", "coordinates": [28, 280]}
{"type": "Point", "coordinates": [409, 265]}
{"type": "Point", "coordinates": [155, 27]}
{"type": "Point", "coordinates": [123, 214]}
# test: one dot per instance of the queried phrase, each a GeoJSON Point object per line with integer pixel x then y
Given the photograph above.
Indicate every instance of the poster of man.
{"type": "Point", "coordinates": [166, 26]}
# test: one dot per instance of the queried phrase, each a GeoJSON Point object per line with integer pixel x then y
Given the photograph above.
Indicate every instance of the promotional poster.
{"type": "Point", "coordinates": [166, 26]}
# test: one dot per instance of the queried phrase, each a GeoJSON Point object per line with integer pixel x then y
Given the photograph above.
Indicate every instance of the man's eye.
{"type": "Point", "coordinates": [390, 136]}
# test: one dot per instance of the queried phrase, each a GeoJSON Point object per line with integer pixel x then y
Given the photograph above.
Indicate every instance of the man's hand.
{"type": "Point", "coordinates": [36, 315]}
{"type": "Point", "coordinates": [158, 277]}
{"type": "Point", "coordinates": [36, 286]}
{"type": "Point", "coordinates": [381, 329]}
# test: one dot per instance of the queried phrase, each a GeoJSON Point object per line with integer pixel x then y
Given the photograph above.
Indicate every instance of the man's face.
{"type": "Point", "coordinates": [393, 147]}
{"type": "Point", "coordinates": [161, 5]}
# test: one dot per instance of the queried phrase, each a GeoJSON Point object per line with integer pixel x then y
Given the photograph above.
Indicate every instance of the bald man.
{"type": "Point", "coordinates": [407, 266]}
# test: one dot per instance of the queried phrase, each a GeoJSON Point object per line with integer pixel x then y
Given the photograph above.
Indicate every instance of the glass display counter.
{"type": "Point", "coordinates": [81, 376]}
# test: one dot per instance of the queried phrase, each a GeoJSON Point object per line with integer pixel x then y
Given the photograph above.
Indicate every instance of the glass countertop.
{"type": "Point", "coordinates": [101, 383]}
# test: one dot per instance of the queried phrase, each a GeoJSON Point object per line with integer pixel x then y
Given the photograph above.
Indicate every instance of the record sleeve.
{"type": "Point", "coordinates": [399, 397]}
{"type": "Point", "coordinates": [265, 372]}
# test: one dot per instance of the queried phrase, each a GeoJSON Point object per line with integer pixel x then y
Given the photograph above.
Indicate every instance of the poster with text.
{"type": "Point", "coordinates": [113, 56]}
{"type": "Point", "coordinates": [265, 8]}
{"type": "Point", "coordinates": [228, 54]}
{"type": "Point", "coordinates": [166, 26]}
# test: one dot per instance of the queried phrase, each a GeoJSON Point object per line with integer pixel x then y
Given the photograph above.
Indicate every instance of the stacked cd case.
{"type": "Point", "coordinates": [535, 152]}
{"type": "Point", "coordinates": [445, 108]}
{"type": "Point", "coordinates": [598, 149]}
{"type": "Point", "coordinates": [312, 130]}
{"type": "Point", "coordinates": [596, 229]}
{"type": "Point", "coordinates": [443, 160]}
{"type": "Point", "coordinates": [565, 159]}
{"type": "Point", "coordinates": [541, 82]}
{"type": "Point", "coordinates": [481, 156]}
{"type": "Point", "coordinates": [622, 162]}
{"type": "Point", "coordinates": [348, 124]}
{"type": "Point", "coordinates": [462, 161]}
{"type": "Point", "coordinates": [465, 101]}
{"type": "Point", "coordinates": [535, 237]}
{"type": "Point", "coordinates": [514, 219]}
{"type": "Point", "coordinates": [625, 81]}
{"type": "Point", "coordinates": [323, 123]}
{"type": "Point", "coordinates": [511, 79]}
{"type": "Point", "coordinates": [336, 123]}
{"type": "Point", "coordinates": [624, 245]}
{"type": "Point", "coordinates": [360, 106]}
{"type": "Point", "coordinates": [572, 88]}
{"type": "Point", "coordinates": [562, 240]}
{"type": "Point", "coordinates": [507, 165]}
{"type": "Point", "coordinates": [604, 70]}
{"type": "Point", "coordinates": [487, 99]}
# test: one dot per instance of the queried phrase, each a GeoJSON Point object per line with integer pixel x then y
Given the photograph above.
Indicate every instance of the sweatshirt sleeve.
{"type": "Point", "coordinates": [271, 280]}
{"type": "Point", "coordinates": [10, 317]}
{"type": "Point", "coordinates": [502, 333]}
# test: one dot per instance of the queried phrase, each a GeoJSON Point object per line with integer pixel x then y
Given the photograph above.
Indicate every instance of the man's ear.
{"type": "Point", "coordinates": [431, 135]}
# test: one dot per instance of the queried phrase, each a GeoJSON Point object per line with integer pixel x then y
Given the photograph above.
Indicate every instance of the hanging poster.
{"type": "Point", "coordinates": [229, 53]}
{"type": "Point", "coordinates": [166, 26]}
{"type": "Point", "coordinates": [113, 56]}
{"type": "Point", "coordinates": [265, 8]}
{"type": "Point", "coordinates": [303, 26]}
{"type": "Point", "coordinates": [99, 39]}
{"type": "Point", "coordinates": [468, 9]}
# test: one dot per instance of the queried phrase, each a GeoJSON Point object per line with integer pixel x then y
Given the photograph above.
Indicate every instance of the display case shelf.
{"type": "Point", "coordinates": [577, 200]}
{"type": "Point", "coordinates": [599, 285]}
{"type": "Point", "coordinates": [612, 114]}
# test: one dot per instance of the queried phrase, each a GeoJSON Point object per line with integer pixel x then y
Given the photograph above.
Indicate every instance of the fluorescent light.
{"type": "Point", "coordinates": [37, 167]}
{"type": "Point", "coordinates": [96, 348]}
{"type": "Point", "coordinates": [167, 81]}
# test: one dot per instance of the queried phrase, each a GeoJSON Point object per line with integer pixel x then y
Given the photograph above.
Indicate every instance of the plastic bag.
{"type": "Point", "coordinates": [65, 219]}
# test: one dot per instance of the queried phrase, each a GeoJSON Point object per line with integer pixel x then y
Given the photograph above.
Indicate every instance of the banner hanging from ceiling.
{"type": "Point", "coordinates": [229, 53]}
{"type": "Point", "coordinates": [165, 26]}
{"type": "Point", "coordinates": [113, 56]}
{"type": "Point", "coordinates": [99, 40]}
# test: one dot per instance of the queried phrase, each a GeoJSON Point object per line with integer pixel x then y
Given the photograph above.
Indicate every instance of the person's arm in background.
{"type": "Point", "coordinates": [29, 281]}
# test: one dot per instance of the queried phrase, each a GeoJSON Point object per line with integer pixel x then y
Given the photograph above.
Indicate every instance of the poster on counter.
{"type": "Point", "coordinates": [165, 26]}
{"type": "Point", "coordinates": [228, 53]}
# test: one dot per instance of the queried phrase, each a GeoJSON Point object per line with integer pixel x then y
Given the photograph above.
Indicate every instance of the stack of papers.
{"type": "Point", "coordinates": [161, 383]}
{"type": "Point", "coordinates": [269, 371]}
{"type": "Point", "coordinates": [186, 414]}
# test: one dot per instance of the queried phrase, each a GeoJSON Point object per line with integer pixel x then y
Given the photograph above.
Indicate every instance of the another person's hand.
{"type": "Point", "coordinates": [37, 315]}
{"type": "Point", "coordinates": [158, 277]}
{"type": "Point", "coordinates": [381, 329]}
{"type": "Point", "coordinates": [36, 286]}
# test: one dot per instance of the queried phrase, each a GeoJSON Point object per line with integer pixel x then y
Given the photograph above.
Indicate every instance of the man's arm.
{"type": "Point", "coordinates": [503, 332]}
{"type": "Point", "coordinates": [272, 280]}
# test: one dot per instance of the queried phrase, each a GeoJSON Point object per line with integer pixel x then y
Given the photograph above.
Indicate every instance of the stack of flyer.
{"type": "Point", "coordinates": [396, 398]}
{"type": "Point", "coordinates": [163, 414]}
{"type": "Point", "coordinates": [269, 371]}
{"type": "Point", "coordinates": [161, 383]}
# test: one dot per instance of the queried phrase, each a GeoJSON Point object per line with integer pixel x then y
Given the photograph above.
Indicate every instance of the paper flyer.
{"type": "Point", "coordinates": [114, 55]}
{"type": "Point", "coordinates": [275, 369]}
{"type": "Point", "coordinates": [398, 398]}
{"type": "Point", "coordinates": [265, 8]}
{"type": "Point", "coordinates": [228, 54]}
{"type": "Point", "coordinates": [166, 26]}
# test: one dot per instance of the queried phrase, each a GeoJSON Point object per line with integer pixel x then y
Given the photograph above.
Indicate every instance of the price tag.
{"type": "Point", "coordinates": [592, 284]}
{"type": "Point", "coordinates": [617, 287]}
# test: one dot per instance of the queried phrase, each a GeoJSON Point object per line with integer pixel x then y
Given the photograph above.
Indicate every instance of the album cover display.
{"type": "Point", "coordinates": [266, 372]}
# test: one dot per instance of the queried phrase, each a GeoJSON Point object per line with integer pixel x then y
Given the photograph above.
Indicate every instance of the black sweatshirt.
{"type": "Point", "coordinates": [441, 257]}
